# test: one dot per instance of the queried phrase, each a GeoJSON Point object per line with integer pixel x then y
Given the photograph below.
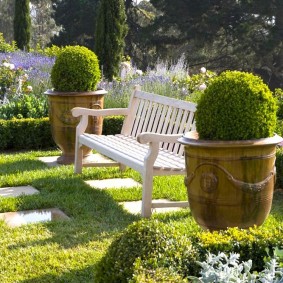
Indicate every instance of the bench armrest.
{"type": "Point", "coordinates": [148, 137]}
{"type": "Point", "coordinates": [85, 112]}
{"type": "Point", "coordinates": [79, 111]}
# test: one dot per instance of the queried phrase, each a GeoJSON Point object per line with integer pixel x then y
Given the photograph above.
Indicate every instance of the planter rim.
{"type": "Point", "coordinates": [192, 139]}
{"type": "Point", "coordinates": [77, 93]}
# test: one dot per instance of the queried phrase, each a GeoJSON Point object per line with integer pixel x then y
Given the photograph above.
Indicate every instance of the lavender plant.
{"type": "Point", "coordinates": [164, 79]}
{"type": "Point", "coordinates": [36, 66]}
{"type": "Point", "coordinates": [157, 80]}
{"type": "Point", "coordinates": [23, 79]}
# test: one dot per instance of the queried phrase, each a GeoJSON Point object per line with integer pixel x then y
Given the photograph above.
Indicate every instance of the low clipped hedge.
{"type": "Point", "coordinates": [18, 134]}
{"type": "Point", "coordinates": [22, 134]}
{"type": "Point", "coordinates": [151, 251]}
{"type": "Point", "coordinates": [254, 243]}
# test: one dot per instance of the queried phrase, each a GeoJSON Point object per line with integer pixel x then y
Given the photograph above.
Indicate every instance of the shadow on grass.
{"type": "Point", "coordinates": [94, 215]}
{"type": "Point", "coordinates": [11, 167]}
{"type": "Point", "coordinates": [75, 276]}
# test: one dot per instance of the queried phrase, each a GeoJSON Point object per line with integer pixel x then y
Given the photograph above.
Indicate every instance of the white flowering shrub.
{"type": "Point", "coordinates": [225, 269]}
{"type": "Point", "coordinates": [193, 85]}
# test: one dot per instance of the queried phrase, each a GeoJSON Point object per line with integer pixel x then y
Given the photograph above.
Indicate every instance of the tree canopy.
{"type": "Point", "coordinates": [231, 34]}
{"type": "Point", "coordinates": [77, 18]}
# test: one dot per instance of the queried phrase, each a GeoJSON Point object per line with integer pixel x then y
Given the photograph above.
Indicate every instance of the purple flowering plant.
{"type": "Point", "coordinates": [23, 79]}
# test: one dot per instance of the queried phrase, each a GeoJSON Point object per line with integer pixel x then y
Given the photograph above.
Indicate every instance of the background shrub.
{"type": "Point", "coordinates": [236, 106]}
{"type": "Point", "coordinates": [278, 94]}
{"type": "Point", "coordinates": [25, 134]}
{"type": "Point", "coordinates": [279, 168]}
{"type": "Point", "coordinates": [36, 133]}
{"type": "Point", "coordinates": [5, 46]}
{"type": "Point", "coordinates": [112, 125]}
{"type": "Point", "coordinates": [25, 106]}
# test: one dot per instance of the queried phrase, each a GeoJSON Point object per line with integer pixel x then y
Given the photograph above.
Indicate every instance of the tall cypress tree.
{"type": "Point", "coordinates": [22, 24]}
{"type": "Point", "coordinates": [111, 29]}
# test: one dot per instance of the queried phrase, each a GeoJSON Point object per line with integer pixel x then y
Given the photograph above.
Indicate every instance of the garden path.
{"type": "Point", "coordinates": [15, 219]}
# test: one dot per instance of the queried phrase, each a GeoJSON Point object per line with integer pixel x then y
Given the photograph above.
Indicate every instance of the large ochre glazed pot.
{"type": "Point", "coordinates": [230, 183]}
{"type": "Point", "coordinates": [63, 124]}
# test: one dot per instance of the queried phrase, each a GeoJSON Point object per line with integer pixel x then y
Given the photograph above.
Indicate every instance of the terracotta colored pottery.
{"type": "Point", "coordinates": [230, 183]}
{"type": "Point", "coordinates": [63, 124]}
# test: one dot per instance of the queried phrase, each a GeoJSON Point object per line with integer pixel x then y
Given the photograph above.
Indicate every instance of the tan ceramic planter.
{"type": "Point", "coordinates": [230, 184]}
{"type": "Point", "coordinates": [63, 124]}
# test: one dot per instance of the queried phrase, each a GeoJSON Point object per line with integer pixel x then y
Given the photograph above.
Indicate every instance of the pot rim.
{"type": "Point", "coordinates": [99, 91]}
{"type": "Point", "coordinates": [192, 139]}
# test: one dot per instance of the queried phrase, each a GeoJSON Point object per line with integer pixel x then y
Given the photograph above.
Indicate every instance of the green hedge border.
{"type": "Point", "coordinates": [22, 134]}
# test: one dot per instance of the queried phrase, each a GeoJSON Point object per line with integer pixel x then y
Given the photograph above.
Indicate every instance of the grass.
{"type": "Point", "coordinates": [66, 251]}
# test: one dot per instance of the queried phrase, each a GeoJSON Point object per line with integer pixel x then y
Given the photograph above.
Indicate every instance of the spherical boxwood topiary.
{"type": "Point", "coordinates": [236, 106]}
{"type": "Point", "coordinates": [76, 69]}
{"type": "Point", "coordinates": [150, 240]}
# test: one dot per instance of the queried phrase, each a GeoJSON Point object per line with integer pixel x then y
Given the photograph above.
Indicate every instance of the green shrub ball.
{"type": "Point", "coordinates": [236, 106]}
{"type": "Point", "coordinates": [155, 244]}
{"type": "Point", "coordinates": [76, 69]}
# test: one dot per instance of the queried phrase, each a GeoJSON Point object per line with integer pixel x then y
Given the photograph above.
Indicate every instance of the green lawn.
{"type": "Point", "coordinates": [66, 251]}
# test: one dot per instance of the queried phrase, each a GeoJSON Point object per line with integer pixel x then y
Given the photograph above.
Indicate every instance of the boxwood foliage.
{"type": "Point", "coordinates": [25, 134]}
{"type": "Point", "coordinates": [150, 251]}
{"type": "Point", "coordinates": [236, 106]}
{"type": "Point", "coordinates": [112, 125]}
{"type": "Point", "coordinates": [32, 133]}
{"type": "Point", "coordinates": [76, 68]}
{"type": "Point", "coordinates": [279, 168]}
{"type": "Point", "coordinates": [157, 275]}
{"type": "Point", "coordinates": [155, 244]}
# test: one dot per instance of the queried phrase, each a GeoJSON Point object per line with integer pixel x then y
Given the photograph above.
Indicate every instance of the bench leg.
{"type": "Point", "coordinates": [78, 158]}
{"type": "Point", "coordinates": [147, 194]}
{"type": "Point", "coordinates": [122, 167]}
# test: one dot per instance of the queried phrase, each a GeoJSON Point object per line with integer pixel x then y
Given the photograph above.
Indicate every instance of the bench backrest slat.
{"type": "Point", "coordinates": [159, 114]}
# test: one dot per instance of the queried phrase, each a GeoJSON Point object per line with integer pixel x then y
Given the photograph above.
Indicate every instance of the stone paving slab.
{"type": "Point", "coordinates": [19, 218]}
{"type": "Point", "coordinates": [50, 161]}
{"type": "Point", "coordinates": [100, 160]}
{"type": "Point", "coordinates": [113, 183]}
{"type": "Point", "coordinates": [17, 191]}
{"type": "Point", "coordinates": [134, 207]}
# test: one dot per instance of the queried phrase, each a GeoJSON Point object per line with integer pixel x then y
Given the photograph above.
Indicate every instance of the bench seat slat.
{"type": "Point", "coordinates": [130, 147]}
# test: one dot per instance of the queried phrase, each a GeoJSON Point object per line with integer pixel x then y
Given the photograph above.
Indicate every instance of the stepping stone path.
{"type": "Point", "coordinates": [15, 219]}
{"type": "Point", "coordinates": [134, 207]}
{"type": "Point", "coordinates": [100, 160]}
{"type": "Point", "coordinates": [18, 218]}
{"type": "Point", "coordinates": [17, 191]}
{"type": "Point", "coordinates": [116, 183]}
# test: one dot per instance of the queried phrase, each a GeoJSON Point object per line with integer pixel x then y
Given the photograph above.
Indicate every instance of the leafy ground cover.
{"type": "Point", "coordinates": [67, 251]}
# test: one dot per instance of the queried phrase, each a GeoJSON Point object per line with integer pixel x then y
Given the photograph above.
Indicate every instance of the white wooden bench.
{"type": "Point", "coordinates": [148, 139]}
